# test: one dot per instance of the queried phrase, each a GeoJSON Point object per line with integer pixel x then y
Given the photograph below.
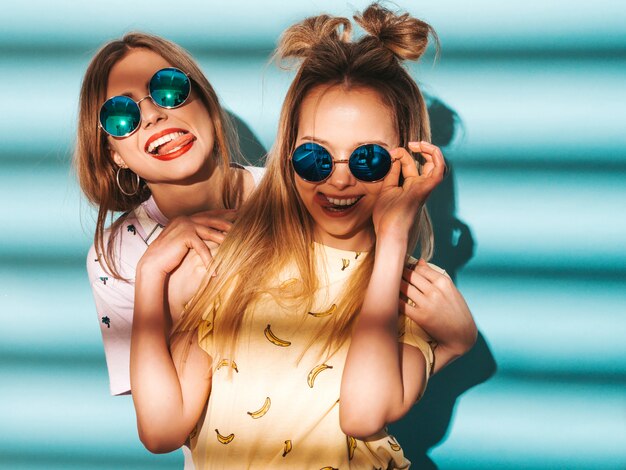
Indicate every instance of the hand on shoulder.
{"type": "Point", "coordinates": [185, 233]}
{"type": "Point", "coordinates": [436, 305]}
{"type": "Point", "coordinates": [186, 279]}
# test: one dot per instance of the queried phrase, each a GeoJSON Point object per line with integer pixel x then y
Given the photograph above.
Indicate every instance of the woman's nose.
{"type": "Point", "coordinates": [150, 112]}
{"type": "Point", "coordinates": [341, 176]}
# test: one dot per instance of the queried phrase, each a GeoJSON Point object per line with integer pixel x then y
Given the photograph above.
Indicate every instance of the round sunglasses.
{"type": "Point", "coordinates": [368, 163]}
{"type": "Point", "coordinates": [120, 116]}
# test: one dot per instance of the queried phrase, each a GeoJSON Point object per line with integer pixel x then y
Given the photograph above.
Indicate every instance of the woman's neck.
{"type": "Point", "coordinates": [190, 197]}
{"type": "Point", "coordinates": [362, 240]}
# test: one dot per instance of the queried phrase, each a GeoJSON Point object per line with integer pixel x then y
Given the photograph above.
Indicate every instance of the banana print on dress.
{"type": "Point", "coordinates": [261, 411]}
{"type": "Point", "coordinates": [351, 446]}
{"type": "Point", "coordinates": [272, 338]}
{"type": "Point", "coordinates": [345, 263]}
{"type": "Point", "coordinates": [325, 313]}
{"type": "Point", "coordinates": [394, 444]}
{"type": "Point", "coordinates": [224, 439]}
{"type": "Point", "coordinates": [287, 448]}
{"type": "Point", "coordinates": [315, 372]}
{"type": "Point", "coordinates": [401, 330]}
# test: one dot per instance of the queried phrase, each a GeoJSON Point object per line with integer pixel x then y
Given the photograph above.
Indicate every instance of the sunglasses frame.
{"type": "Point", "coordinates": [344, 160]}
{"type": "Point", "coordinates": [148, 96]}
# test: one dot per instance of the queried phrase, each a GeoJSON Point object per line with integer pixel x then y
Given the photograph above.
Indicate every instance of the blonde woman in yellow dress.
{"type": "Point", "coordinates": [296, 352]}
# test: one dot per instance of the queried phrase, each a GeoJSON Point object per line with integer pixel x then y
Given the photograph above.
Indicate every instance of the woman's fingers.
{"type": "Point", "coordinates": [220, 220]}
{"type": "Point", "coordinates": [438, 280]}
{"type": "Point", "coordinates": [203, 251]}
{"type": "Point", "coordinates": [393, 177]}
{"type": "Point", "coordinates": [417, 280]}
{"type": "Point", "coordinates": [433, 169]}
{"type": "Point", "coordinates": [185, 233]}
{"type": "Point", "coordinates": [414, 305]}
{"type": "Point", "coordinates": [408, 166]}
{"type": "Point", "coordinates": [435, 164]}
{"type": "Point", "coordinates": [210, 234]}
{"type": "Point", "coordinates": [413, 294]}
{"type": "Point", "coordinates": [205, 225]}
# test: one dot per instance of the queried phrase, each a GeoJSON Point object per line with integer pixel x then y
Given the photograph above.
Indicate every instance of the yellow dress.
{"type": "Point", "coordinates": [275, 404]}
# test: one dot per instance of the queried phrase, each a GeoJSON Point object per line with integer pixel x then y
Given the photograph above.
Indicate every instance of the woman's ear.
{"type": "Point", "coordinates": [117, 158]}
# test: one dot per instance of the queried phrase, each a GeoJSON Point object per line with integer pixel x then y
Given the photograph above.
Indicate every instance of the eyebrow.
{"type": "Point", "coordinates": [358, 144]}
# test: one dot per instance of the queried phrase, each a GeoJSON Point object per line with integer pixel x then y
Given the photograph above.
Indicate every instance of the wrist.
{"type": "Point", "coordinates": [148, 270]}
{"type": "Point", "coordinates": [391, 243]}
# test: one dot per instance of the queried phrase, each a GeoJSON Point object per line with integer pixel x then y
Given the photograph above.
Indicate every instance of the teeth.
{"type": "Point", "coordinates": [163, 140]}
{"type": "Point", "coordinates": [342, 202]}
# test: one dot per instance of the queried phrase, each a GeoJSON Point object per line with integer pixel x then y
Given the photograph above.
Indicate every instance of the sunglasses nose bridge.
{"type": "Point", "coordinates": [150, 112]}
{"type": "Point", "coordinates": [143, 99]}
{"type": "Point", "coordinates": [341, 176]}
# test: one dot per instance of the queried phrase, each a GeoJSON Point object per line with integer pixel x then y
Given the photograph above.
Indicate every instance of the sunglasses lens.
{"type": "Point", "coordinates": [370, 162]}
{"type": "Point", "coordinates": [169, 87]}
{"type": "Point", "coordinates": [312, 162]}
{"type": "Point", "coordinates": [119, 116]}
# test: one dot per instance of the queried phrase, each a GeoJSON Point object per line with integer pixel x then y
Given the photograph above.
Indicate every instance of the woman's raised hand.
{"type": "Point", "coordinates": [185, 233]}
{"type": "Point", "coordinates": [397, 206]}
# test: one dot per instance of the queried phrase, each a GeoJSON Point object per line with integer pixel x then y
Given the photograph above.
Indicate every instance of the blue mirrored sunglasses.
{"type": "Point", "coordinates": [368, 163]}
{"type": "Point", "coordinates": [120, 116]}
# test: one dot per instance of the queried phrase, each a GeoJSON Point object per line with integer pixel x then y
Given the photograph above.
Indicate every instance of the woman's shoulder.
{"type": "Point", "coordinates": [143, 223]}
{"type": "Point", "coordinates": [257, 173]}
{"type": "Point", "coordinates": [126, 240]}
{"type": "Point", "coordinates": [252, 174]}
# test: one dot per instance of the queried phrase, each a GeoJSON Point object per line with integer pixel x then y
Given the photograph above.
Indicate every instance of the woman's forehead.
{"type": "Point", "coordinates": [347, 117]}
{"type": "Point", "coordinates": [132, 73]}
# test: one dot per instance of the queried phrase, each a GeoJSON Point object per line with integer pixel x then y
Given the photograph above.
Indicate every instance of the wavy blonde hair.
{"type": "Point", "coordinates": [274, 229]}
{"type": "Point", "coordinates": [93, 162]}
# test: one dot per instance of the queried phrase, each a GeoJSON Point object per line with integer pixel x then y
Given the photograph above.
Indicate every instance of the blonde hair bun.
{"type": "Point", "coordinates": [298, 40]}
{"type": "Point", "coordinates": [405, 36]}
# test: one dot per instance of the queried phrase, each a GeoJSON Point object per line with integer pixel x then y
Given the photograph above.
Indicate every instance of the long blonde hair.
{"type": "Point", "coordinates": [274, 229]}
{"type": "Point", "coordinates": [94, 165]}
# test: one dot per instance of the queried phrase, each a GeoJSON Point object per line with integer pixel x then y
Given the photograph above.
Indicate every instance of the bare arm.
{"type": "Point", "coordinates": [382, 379]}
{"type": "Point", "coordinates": [170, 387]}
{"type": "Point", "coordinates": [169, 390]}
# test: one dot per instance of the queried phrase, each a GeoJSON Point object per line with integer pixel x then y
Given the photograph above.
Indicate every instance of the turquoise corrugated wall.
{"type": "Point", "coordinates": [532, 222]}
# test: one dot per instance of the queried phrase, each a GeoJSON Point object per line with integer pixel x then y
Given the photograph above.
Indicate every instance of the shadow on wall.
{"type": "Point", "coordinates": [427, 424]}
{"type": "Point", "coordinates": [251, 148]}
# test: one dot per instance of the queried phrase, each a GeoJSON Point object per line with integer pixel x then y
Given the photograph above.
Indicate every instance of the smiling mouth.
{"type": "Point", "coordinates": [338, 205]}
{"type": "Point", "coordinates": [169, 144]}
